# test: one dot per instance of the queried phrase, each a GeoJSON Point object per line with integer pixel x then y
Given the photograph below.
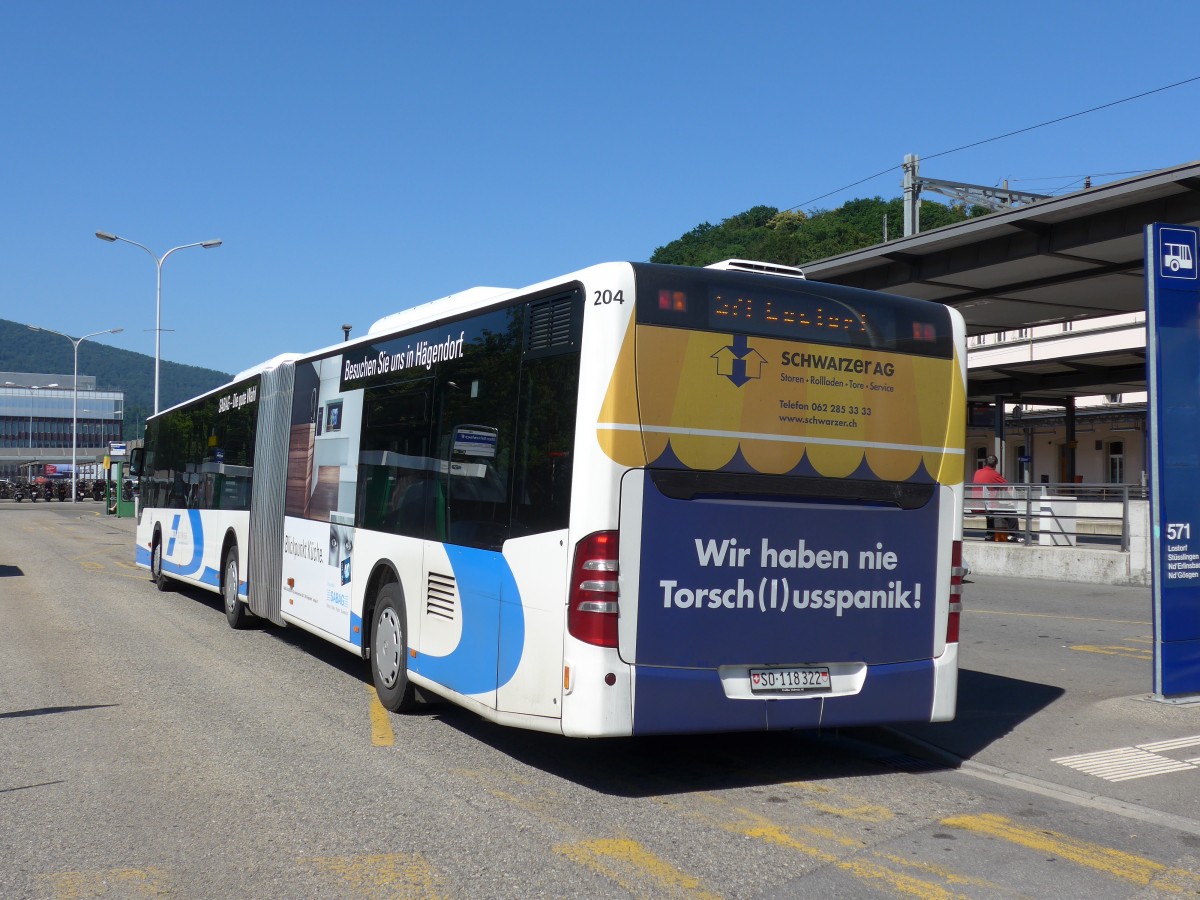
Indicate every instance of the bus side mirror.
{"type": "Point", "coordinates": [136, 455]}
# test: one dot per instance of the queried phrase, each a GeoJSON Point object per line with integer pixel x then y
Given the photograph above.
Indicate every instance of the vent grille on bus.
{"type": "Point", "coordinates": [441, 596]}
{"type": "Point", "coordinates": [551, 322]}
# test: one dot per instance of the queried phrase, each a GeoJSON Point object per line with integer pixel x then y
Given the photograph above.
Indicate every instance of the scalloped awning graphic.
{"type": "Point", "coordinates": [710, 401]}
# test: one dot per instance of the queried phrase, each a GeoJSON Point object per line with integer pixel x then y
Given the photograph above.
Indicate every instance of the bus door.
{"type": "Point", "coordinates": [471, 609]}
{"type": "Point", "coordinates": [464, 568]}
{"type": "Point", "coordinates": [400, 504]}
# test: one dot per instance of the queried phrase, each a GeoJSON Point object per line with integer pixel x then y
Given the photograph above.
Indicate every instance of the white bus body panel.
{"type": "Point", "coordinates": [192, 543]}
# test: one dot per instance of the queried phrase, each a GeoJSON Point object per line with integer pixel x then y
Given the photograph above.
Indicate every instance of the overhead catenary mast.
{"type": "Point", "coordinates": [995, 198]}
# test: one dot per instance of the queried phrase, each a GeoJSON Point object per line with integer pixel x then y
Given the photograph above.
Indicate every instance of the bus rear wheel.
{"type": "Point", "coordinates": [156, 564]}
{"type": "Point", "coordinates": [389, 651]}
{"type": "Point", "coordinates": [236, 613]}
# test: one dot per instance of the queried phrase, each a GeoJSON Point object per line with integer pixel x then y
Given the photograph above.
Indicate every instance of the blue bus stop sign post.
{"type": "Point", "coordinates": [1173, 371]}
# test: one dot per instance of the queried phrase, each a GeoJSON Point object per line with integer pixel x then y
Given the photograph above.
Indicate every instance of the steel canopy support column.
{"type": "Point", "coordinates": [998, 439]}
{"type": "Point", "coordinates": [1072, 443]}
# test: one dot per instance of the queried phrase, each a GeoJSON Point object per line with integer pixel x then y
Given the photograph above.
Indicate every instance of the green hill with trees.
{"type": "Point", "coordinates": [792, 238]}
{"type": "Point", "coordinates": [23, 350]}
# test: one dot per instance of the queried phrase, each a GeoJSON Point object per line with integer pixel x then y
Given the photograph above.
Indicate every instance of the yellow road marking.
{"type": "Point", "coordinates": [757, 827]}
{"type": "Point", "coordinates": [759, 820]}
{"type": "Point", "coordinates": [634, 868]}
{"type": "Point", "coordinates": [948, 875]}
{"type": "Point", "coordinates": [148, 882]}
{"type": "Point", "coordinates": [621, 859]}
{"type": "Point", "coordinates": [543, 806]}
{"type": "Point", "coordinates": [850, 807]}
{"type": "Point", "coordinates": [750, 824]}
{"type": "Point", "coordinates": [763, 829]}
{"type": "Point", "coordinates": [760, 828]}
{"type": "Point", "coordinates": [863, 812]}
{"type": "Point", "coordinates": [396, 876]}
{"type": "Point", "coordinates": [1114, 650]}
{"type": "Point", "coordinates": [995, 612]}
{"type": "Point", "coordinates": [1125, 866]}
{"type": "Point", "coordinates": [381, 723]}
{"type": "Point", "coordinates": [82, 556]}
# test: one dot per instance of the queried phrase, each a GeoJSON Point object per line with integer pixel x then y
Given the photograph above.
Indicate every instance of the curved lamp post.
{"type": "Point", "coordinates": [158, 263]}
{"type": "Point", "coordinates": [75, 399]}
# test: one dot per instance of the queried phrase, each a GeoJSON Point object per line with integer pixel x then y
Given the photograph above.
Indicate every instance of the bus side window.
{"type": "Point", "coordinates": [477, 496]}
{"type": "Point", "coordinates": [545, 440]}
{"type": "Point", "coordinates": [417, 510]}
{"type": "Point", "coordinates": [476, 412]}
{"type": "Point", "coordinates": [398, 481]}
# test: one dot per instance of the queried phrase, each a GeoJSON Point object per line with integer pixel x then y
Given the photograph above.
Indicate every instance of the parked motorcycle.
{"type": "Point", "coordinates": [48, 492]}
{"type": "Point", "coordinates": [97, 490]}
{"type": "Point", "coordinates": [18, 493]}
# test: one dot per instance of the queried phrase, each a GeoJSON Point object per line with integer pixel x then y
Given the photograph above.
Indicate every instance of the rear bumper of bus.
{"type": "Point", "coordinates": [672, 701]}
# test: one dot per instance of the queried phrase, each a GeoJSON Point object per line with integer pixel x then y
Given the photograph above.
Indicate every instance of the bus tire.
{"type": "Point", "coordinates": [156, 563]}
{"type": "Point", "coordinates": [389, 651]}
{"type": "Point", "coordinates": [236, 612]}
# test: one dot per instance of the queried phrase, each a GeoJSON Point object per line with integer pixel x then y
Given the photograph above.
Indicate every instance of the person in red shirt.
{"type": "Point", "coordinates": [987, 474]}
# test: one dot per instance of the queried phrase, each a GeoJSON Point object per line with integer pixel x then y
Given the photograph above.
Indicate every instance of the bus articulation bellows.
{"type": "Point", "coordinates": [635, 499]}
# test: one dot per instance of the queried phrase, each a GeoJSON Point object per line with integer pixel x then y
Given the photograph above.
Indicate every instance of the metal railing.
{"type": "Point", "coordinates": [1050, 515]}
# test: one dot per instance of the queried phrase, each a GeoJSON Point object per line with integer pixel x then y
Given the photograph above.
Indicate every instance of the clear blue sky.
{"type": "Point", "coordinates": [359, 158]}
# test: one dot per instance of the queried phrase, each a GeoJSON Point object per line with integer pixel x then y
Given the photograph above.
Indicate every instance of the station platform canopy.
{"type": "Point", "coordinates": [1078, 256]}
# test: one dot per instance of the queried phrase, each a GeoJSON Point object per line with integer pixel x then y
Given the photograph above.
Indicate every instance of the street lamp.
{"type": "Point", "coordinates": [75, 399]}
{"type": "Point", "coordinates": [158, 262]}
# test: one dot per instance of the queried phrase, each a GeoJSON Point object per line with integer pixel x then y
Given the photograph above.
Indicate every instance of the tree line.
{"type": "Point", "coordinates": [794, 237]}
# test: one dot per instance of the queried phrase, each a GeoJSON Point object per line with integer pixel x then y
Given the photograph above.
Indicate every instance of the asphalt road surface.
{"type": "Point", "coordinates": [150, 751]}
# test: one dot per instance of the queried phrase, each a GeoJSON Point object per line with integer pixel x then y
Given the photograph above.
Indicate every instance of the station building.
{"type": "Point", "coordinates": [1109, 440]}
{"type": "Point", "coordinates": [35, 424]}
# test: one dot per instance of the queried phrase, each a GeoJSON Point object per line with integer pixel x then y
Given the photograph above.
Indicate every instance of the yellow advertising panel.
{"type": "Point", "coordinates": [709, 396]}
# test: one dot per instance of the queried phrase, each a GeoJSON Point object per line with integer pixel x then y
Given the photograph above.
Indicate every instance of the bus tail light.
{"type": "Point", "coordinates": [592, 603]}
{"type": "Point", "coordinates": [956, 588]}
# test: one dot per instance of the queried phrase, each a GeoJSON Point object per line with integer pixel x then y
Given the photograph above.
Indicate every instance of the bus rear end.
{"type": "Point", "coordinates": [790, 512]}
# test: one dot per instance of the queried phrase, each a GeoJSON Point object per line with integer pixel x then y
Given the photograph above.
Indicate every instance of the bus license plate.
{"type": "Point", "coordinates": [770, 681]}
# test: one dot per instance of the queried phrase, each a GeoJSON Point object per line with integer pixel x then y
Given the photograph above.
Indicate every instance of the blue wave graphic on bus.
{"type": "Point", "coordinates": [493, 625]}
{"type": "Point", "coordinates": [192, 569]}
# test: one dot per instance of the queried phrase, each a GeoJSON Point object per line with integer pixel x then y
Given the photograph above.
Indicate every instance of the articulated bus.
{"type": "Point", "coordinates": [636, 499]}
